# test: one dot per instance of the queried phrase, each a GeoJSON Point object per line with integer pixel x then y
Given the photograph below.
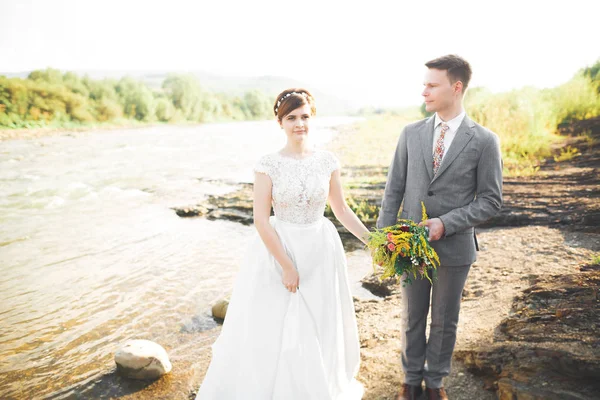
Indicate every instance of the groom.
{"type": "Point", "coordinates": [454, 166]}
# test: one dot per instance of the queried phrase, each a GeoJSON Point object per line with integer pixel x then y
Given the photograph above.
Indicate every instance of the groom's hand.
{"type": "Point", "coordinates": [436, 228]}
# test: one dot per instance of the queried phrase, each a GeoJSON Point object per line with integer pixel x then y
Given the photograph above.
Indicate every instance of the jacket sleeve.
{"type": "Point", "coordinates": [488, 197]}
{"type": "Point", "coordinates": [395, 185]}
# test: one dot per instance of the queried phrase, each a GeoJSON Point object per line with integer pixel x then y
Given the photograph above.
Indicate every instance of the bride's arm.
{"type": "Point", "coordinates": [262, 212]}
{"type": "Point", "coordinates": [342, 212]}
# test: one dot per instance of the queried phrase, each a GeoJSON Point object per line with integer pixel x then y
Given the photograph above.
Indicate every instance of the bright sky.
{"type": "Point", "coordinates": [371, 52]}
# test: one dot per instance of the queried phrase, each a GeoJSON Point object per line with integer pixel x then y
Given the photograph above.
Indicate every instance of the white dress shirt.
{"type": "Point", "coordinates": [453, 125]}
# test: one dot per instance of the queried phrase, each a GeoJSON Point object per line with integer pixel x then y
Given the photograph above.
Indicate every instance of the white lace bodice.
{"type": "Point", "coordinates": [300, 186]}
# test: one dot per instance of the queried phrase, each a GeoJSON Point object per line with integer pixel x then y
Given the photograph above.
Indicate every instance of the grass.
{"type": "Point", "coordinates": [522, 119]}
{"type": "Point", "coordinates": [588, 138]}
{"type": "Point", "coordinates": [365, 210]}
{"type": "Point", "coordinates": [372, 140]}
{"type": "Point", "coordinates": [75, 126]}
{"type": "Point", "coordinates": [566, 154]}
{"type": "Point", "coordinates": [521, 169]}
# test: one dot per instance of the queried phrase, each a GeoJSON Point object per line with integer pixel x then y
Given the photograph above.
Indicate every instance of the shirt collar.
{"type": "Point", "coordinates": [454, 123]}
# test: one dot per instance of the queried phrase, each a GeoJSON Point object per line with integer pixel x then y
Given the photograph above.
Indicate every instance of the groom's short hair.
{"type": "Point", "coordinates": [458, 68]}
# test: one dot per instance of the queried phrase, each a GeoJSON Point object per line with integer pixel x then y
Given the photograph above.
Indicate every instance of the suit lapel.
{"type": "Point", "coordinates": [426, 136]}
{"type": "Point", "coordinates": [463, 136]}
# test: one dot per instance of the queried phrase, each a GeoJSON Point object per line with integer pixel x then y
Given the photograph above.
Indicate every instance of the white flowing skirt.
{"type": "Point", "coordinates": [288, 346]}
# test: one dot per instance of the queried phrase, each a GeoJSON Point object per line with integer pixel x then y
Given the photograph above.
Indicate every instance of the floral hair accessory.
{"type": "Point", "coordinates": [286, 96]}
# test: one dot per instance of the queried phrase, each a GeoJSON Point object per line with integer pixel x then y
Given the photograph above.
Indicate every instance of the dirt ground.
{"type": "Point", "coordinates": [509, 261]}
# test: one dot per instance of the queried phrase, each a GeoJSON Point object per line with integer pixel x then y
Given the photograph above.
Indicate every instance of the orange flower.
{"type": "Point", "coordinates": [391, 246]}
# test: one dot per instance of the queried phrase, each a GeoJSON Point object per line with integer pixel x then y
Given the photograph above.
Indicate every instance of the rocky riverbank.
{"type": "Point", "coordinates": [547, 347]}
{"type": "Point", "coordinates": [73, 130]}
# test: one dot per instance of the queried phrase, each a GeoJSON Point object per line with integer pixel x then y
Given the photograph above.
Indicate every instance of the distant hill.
{"type": "Point", "coordinates": [327, 104]}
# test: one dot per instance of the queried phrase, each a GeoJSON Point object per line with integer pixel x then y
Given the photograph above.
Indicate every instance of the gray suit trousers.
{"type": "Point", "coordinates": [429, 359]}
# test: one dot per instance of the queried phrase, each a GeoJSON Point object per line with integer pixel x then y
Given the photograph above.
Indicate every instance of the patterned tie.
{"type": "Point", "coordinates": [438, 153]}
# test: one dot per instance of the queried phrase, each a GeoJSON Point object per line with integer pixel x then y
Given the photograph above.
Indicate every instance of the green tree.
{"type": "Point", "coordinates": [165, 111]}
{"type": "Point", "coordinates": [107, 109]}
{"type": "Point", "coordinates": [75, 84]}
{"type": "Point", "coordinates": [258, 105]}
{"type": "Point", "coordinates": [101, 89]}
{"type": "Point", "coordinates": [185, 94]}
{"type": "Point", "coordinates": [136, 98]}
{"type": "Point", "coordinates": [593, 73]}
{"type": "Point", "coordinates": [49, 75]}
{"type": "Point", "coordinates": [424, 112]}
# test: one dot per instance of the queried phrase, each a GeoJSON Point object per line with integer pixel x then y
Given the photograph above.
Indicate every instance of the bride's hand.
{"type": "Point", "coordinates": [290, 279]}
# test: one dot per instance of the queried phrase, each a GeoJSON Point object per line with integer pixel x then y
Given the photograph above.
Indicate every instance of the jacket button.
{"type": "Point", "coordinates": [430, 193]}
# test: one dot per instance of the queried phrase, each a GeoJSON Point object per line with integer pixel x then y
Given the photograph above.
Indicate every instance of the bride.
{"type": "Point", "coordinates": [290, 331]}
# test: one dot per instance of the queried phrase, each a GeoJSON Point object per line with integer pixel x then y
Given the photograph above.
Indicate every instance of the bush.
{"type": "Point", "coordinates": [523, 119]}
{"type": "Point", "coordinates": [165, 111]}
{"type": "Point", "coordinates": [137, 99]}
{"type": "Point", "coordinates": [575, 100]}
{"type": "Point", "coordinates": [107, 109]}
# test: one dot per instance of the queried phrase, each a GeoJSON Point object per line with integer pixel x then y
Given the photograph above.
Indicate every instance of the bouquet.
{"type": "Point", "coordinates": [404, 249]}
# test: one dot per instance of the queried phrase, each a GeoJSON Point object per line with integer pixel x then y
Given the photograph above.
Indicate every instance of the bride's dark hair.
{"type": "Point", "coordinates": [290, 99]}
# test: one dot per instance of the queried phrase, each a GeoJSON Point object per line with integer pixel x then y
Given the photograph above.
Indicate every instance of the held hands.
{"type": "Point", "coordinates": [436, 228]}
{"type": "Point", "coordinates": [290, 279]}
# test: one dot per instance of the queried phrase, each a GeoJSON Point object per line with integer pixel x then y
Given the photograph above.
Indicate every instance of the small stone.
{"type": "Point", "coordinates": [563, 312]}
{"type": "Point", "coordinates": [380, 287]}
{"type": "Point", "coordinates": [219, 310]}
{"type": "Point", "coordinates": [142, 359]}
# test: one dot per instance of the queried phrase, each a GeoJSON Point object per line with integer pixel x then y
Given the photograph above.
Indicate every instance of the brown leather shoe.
{"type": "Point", "coordinates": [409, 392]}
{"type": "Point", "coordinates": [437, 394]}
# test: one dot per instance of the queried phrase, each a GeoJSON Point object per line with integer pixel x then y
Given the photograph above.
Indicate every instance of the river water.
{"type": "Point", "coordinates": [92, 253]}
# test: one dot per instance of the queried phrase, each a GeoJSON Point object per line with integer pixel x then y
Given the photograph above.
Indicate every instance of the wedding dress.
{"type": "Point", "coordinates": [279, 345]}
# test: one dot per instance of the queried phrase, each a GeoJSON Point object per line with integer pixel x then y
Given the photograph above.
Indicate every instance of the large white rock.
{"type": "Point", "coordinates": [142, 359]}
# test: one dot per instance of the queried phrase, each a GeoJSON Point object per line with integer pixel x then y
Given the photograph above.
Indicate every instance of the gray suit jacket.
{"type": "Point", "coordinates": [466, 191]}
